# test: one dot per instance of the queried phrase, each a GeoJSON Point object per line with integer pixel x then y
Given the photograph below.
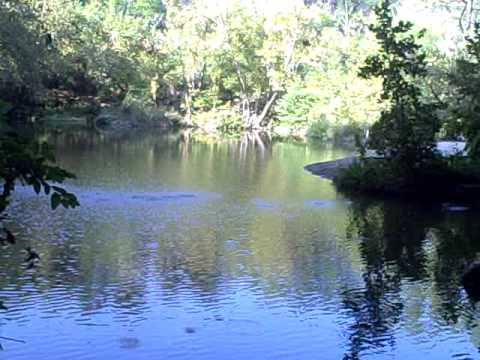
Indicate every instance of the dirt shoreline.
{"type": "Point", "coordinates": [329, 169]}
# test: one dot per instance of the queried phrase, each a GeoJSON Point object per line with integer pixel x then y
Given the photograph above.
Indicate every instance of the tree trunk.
{"type": "Point", "coordinates": [262, 120]}
{"type": "Point", "coordinates": [188, 107]}
{"type": "Point", "coordinates": [154, 86]}
{"type": "Point", "coordinates": [246, 114]}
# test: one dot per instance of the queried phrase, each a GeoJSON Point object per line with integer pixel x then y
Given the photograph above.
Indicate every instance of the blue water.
{"type": "Point", "coordinates": [197, 249]}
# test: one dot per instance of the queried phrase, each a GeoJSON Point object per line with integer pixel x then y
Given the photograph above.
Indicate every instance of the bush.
{"type": "Point", "coordinates": [319, 129]}
{"type": "Point", "coordinates": [366, 176]}
{"type": "Point", "coordinates": [296, 108]}
{"type": "Point", "coordinates": [224, 120]}
{"type": "Point", "coordinates": [439, 178]}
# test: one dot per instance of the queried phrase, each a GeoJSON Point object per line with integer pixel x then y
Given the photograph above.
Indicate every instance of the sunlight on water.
{"type": "Point", "coordinates": [184, 249]}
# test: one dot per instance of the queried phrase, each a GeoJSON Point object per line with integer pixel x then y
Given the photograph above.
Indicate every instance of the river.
{"type": "Point", "coordinates": [187, 248]}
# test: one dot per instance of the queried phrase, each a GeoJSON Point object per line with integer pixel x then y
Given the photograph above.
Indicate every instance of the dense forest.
{"type": "Point", "coordinates": [404, 73]}
{"type": "Point", "coordinates": [288, 66]}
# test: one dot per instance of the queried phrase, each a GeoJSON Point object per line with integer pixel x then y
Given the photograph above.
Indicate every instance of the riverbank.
{"type": "Point", "coordinates": [120, 118]}
{"type": "Point", "coordinates": [108, 119]}
{"type": "Point", "coordinates": [330, 169]}
{"type": "Point", "coordinates": [452, 175]}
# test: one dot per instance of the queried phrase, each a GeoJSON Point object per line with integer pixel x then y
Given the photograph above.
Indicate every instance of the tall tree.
{"type": "Point", "coordinates": [405, 132]}
{"type": "Point", "coordinates": [466, 79]}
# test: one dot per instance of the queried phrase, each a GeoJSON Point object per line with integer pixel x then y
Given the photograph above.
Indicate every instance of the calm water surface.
{"type": "Point", "coordinates": [187, 249]}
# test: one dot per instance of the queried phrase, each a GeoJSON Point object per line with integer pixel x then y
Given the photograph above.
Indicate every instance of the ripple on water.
{"type": "Point", "coordinates": [265, 204]}
{"type": "Point", "coordinates": [145, 198]}
{"type": "Point", "coordinates": [249, 271]}
{"type": "Point", "coordinates": [320, 204]}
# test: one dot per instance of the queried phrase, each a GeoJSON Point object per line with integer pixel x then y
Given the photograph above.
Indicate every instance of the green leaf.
{"type": "Point", "coordinates": [36, 186]}
{"type": "Point", "coordinates": [56, 199]}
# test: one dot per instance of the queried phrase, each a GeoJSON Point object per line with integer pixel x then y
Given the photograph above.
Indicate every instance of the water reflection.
{"type": "Point", "coordinates": [414, 247]}
{"type": "Point", "coordinates": [197, 249]}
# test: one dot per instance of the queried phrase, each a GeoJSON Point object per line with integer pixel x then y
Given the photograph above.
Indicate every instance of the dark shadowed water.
{"type": "Point", "coordinates": [188, 249]}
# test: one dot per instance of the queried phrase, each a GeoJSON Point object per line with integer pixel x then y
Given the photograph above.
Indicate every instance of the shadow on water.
{"type": "Point", "coordinates": [403, 243]}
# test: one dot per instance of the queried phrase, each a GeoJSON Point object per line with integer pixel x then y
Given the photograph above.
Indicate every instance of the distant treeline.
{"type": "Point", "coordinates": [291, 66]}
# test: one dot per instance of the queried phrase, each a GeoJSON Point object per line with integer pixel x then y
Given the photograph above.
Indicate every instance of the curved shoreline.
{"type": "Point", "coordinates": [329, 169]}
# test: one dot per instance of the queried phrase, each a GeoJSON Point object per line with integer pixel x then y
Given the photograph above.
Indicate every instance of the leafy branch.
{"type": "Point", "coordinates": [31, 164]}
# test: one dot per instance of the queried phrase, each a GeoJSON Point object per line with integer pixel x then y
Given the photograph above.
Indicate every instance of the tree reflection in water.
{"type": "Point", "coordinates": [260, 241]}
{"type": "Point", "coordinates": [406, 244]}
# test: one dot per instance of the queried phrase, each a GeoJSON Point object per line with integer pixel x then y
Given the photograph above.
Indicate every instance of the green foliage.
{"type": "Point", "coordinates": [30, 163]}
{"type": "Point", "coordinates": [440, 178]}
{"type": "Point", "coordinates": [293, 67]}
{"type": "Point", "coordinates": [466, 79]}
{"type": "Point", "coordinates": [364, 177]}
{"type": "Point", "coordinates": [329, 97]}
{"type": "Point", "coordinates": [22, 53]}
{"type": "Point", "coordinates": [297, 107]}
{"type": "Point", "coordinates": [405, 132]}
{"type": "Point", "coordinates": [319, 129]}
{"type": "Point", "coordinates": [230, 124]}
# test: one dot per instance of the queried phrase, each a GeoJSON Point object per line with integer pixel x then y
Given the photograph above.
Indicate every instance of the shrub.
{"type": "Point", "coordinates": [319, 129]}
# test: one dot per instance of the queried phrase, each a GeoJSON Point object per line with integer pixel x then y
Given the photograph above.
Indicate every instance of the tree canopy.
{"type": "Point", "coordinates": [286, 66]}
